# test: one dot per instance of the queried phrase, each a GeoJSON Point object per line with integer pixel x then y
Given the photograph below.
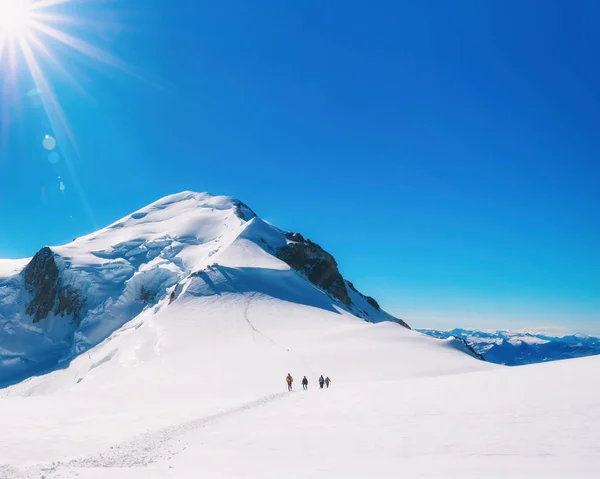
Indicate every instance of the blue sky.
{"type": "Point", "coordinates": [446, 154]}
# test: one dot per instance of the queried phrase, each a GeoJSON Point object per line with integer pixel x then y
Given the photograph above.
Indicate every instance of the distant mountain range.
{"type": "Point", "coordinates": [518, 348]}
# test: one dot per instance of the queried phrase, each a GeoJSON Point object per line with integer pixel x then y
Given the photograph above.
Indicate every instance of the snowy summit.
{"type": "Point", "coordinates": [67, 299]}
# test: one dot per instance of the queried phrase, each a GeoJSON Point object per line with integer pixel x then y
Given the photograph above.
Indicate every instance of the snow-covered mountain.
{"type": "Point", "coordinates": [67, 299]}
{"type": "Point", "coordinates": [167, 337]}
{"type": "Point", "coordinates": [514, 348]}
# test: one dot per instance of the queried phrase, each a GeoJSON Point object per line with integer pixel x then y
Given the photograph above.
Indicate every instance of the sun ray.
{"type": "Point", "coordinates": [2, 43]}
{"type": "Point", "coordinates": [39, 45]}
{"type": "Point", "coordinates": [58, 120]}
{"type": "Point", "coordinates": [61, 19]}
{"type": "Point", "coordinates": [4, 115]}
{"type": "Point", "coordinates": [8, 88]}
{"type": "Point", "coordinates": [43, 4]}
{"type": "Point", "coordinates": [83, 47]}
{"type": "Point", "coordinates": [51, 105]}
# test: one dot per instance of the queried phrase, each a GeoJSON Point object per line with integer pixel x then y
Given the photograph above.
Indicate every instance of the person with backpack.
{"type": "Point", "coordinates": [327, 381]}
{"type": "Point", "coordinates": [289, 380]}
{"type": "Point", "coordinates": [321, 381]}
{"type": "Point", "coordinates": [305, 383]}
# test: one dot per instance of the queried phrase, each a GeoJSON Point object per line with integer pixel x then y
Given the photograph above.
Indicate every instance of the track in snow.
{"type": "Point", "coordinates": [254, 328]}
{"type": "Point", "coordinates": [141, 451]}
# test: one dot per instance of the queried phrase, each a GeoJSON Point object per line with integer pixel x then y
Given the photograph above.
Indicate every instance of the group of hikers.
{"type": "Point", "coordinates": [322, 382]}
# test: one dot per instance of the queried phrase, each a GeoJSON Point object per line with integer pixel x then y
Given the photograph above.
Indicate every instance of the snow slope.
{"type": "Point", "coordinates": [189, 395]}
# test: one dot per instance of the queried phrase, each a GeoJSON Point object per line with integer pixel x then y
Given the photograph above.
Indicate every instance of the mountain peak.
{"type": "Point", "coordinates": [178, 248]}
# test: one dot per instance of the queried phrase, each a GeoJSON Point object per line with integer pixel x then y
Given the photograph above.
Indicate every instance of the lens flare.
{"type": "Point", "coordinates": [49, 143]}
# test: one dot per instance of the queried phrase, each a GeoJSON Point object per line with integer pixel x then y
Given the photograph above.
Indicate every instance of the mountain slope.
{"type": "Point", "coordinates": [67, 299]}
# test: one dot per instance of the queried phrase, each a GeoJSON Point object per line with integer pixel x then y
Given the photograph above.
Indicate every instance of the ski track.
{"type": "Point", "coordinates": [251, 324]}
{"type": "Point", "coordinates": [141, 451]}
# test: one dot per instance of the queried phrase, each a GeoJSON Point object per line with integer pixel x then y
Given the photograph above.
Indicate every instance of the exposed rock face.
{"type": "Point", "coordinates": [70, 302]}
{"type": "Point", "coordinates": [42, 281]}
{"type": "Point", "coordinates": [317, 264]}
{"type": "Point", "coordinates": [243, 211]}
{"type": "Point", "coordinates": [471, 349]}
{"type": "Point", "coordinates": [147, 295]}
{"type": "Point", "coordinates": [369, 299]}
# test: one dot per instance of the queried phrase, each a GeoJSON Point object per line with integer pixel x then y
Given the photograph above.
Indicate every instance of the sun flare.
{"type": "Point", "coordinates": [29, 32]}
{"type": "Point", "coordinates": [15, 17]}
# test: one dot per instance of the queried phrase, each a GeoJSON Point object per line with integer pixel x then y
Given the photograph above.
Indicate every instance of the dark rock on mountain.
{"type": "Point", "coordinates": [147, 295]}
{"type": "Point", "coordinates": [42, 281]}
{"type": "Point", "coordinates": [70, 302]}
{"type": "Point", "coordinates": [471, 349]}
{"type": "Point", "coordinates": [373, 303]}
{"type": "Point", "coordinates": [368, 299]}
{"type": "Point", "coordinates": [243, 211]}
{"type": "Point", "coordinates": [297, 237]}
{"type": "Point", "coordinates": [319, 267]}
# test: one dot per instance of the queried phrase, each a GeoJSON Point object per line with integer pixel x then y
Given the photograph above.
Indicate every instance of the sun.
{"type": "Point", "coordinates": [15, 17]}
{"type": "Point", "coordinates": [28, 29]}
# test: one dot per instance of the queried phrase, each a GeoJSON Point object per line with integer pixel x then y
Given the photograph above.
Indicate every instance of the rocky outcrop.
{"type": "Point", "coordinates": [470, 349]}
{"type": "Point", "coordinates": [42, 281]}
{"type": "Point", "coordinates": [69, 302]}
{"type": "Point", "coordinates": [368, 299]}
{"type": "Point", "coordinates": [147, 295]}
{"type": "Point", "coordinates": [243, 211]}
{"type": "Point", "coordinates": [319, 267]}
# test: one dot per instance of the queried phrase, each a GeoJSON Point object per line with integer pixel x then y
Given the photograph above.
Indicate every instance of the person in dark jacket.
{"type": "Point", "coordinates": [304, 383]}
{"type": "Point", "coordinates": [321, 381]}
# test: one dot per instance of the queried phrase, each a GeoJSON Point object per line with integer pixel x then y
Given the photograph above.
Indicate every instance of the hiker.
{"type": "Point", "coordinates": [289, 379]}
{"type": "Point", "coordinates": [321, 381]}
{"type": "Point", "coordinates": [305, 383]}
{"type": "Point", "coordinates": [327, 381]}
